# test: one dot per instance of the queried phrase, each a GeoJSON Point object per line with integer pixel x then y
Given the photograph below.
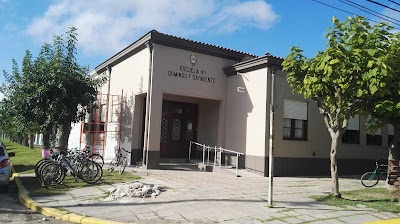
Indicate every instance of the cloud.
{"type": "Point", "coordinates": [107, 26]}
{"type": "Point", "coordinates": [255, 14]}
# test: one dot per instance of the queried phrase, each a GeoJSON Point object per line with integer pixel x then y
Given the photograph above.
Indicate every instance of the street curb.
{"type": "Point", "coordinates": [23, 196]}
{"type": "Point", "coordinates": [387, 221]}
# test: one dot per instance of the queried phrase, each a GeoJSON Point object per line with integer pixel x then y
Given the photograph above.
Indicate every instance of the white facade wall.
{"type": "Point", "coordinates": [247, 112]}
{"type": "Point", "coordinates": [130, 78]}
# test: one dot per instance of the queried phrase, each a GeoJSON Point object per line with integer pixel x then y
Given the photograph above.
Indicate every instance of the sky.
{"type": "Point", "coordinates": [107, 26]}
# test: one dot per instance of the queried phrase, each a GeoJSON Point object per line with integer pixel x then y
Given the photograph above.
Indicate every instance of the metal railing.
{"type": "Point", "coordinates": [217, 151]}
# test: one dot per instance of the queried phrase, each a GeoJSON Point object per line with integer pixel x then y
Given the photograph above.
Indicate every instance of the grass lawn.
{"type": "Point", "coordinates": [24, 163]}
{"type": "Point", "coordinates": [378, 198]}
{"type": "Point", "coordinates": [25, 158]}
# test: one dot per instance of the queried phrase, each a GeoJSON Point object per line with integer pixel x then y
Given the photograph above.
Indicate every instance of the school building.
{"type": "Point", "coordinates": [165, 91]}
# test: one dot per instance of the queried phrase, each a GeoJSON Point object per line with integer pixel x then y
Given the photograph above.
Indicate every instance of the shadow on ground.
{"type": "Point", "coordinates": [22, 168]}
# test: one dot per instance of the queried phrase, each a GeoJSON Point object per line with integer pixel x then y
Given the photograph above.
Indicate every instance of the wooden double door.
{"type": "Point", "coordinates": [178, 128]}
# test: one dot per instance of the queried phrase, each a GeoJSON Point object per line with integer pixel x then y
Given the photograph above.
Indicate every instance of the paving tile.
{"type": "Point", "coordinates": [174, 217]}
{"type": "Point", "coordinates": [275, 222]}
{"type": "Point", "coordinates": [318, 222]}
{"type": "Point", "coordinates": [292, 220]}
{"type": "Point", "coordinates": [358, 219]}
{"type": "Point", "coordinates": [146, 216]}
{"type": "Point", "coordinates": [248, 220]}
{"type": "Point", "coordinates": [291, 213]}
{"type": "Point", "coordinates": [334, 221]}
{"type": "Point", "coordinates": [230, 222]}
{"type": "Point", "coordinates": [204, 197]}
{"type": "Point", "coordinates": [306, 218]}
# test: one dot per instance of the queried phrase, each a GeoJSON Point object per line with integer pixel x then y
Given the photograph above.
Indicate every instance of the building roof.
{"type": "Point", "coordinates": [266, 60]}
{"type": "Point", "coordinates": [177, 42]}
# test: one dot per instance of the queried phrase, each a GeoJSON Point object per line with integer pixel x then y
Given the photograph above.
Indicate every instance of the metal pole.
{"type": "Point", "coordinates": [220, 155]}
{"type": "Point", "coordinates": [237, 164]}
{"type": "Point", "coordinates": [204, 153]}
{"type": "Point", "coordinates": [208, 155]}
{"type": "Point", "coordinates": [190, 149]}
{"type": "Point", "coordinates": [271, 151]}
{"type": "Point", "coordinates": [215, 155]}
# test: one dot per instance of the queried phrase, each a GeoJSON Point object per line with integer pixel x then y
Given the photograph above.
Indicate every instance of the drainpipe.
{"type": "Point", "coordinates": [149, 46]}
{"type": "Point", "coordinates": [271, 145]}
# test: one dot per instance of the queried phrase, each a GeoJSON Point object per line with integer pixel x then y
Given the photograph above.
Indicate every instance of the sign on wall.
{"type": "Point", "coordinates": [191, 73]}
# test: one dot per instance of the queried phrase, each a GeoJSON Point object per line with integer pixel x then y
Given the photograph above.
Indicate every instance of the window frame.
{"type": "Point", "coordinates": [293, 130]}
{"type": "Point", "coordinates": [348, 138]}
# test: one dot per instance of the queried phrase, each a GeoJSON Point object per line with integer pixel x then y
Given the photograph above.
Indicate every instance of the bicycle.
{"type": "Point", "coordinates": [370, 179]}
{"type": "Point", "coordinates": [95, 157]}
{"type": "Point", "coordinates": [53, 172]}
{"type": "Point", "coordinates": [119, 161]}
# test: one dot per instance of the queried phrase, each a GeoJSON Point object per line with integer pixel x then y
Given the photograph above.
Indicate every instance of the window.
{"type": "Point", "coordinates": [374, 138]}
{"type": "Point", "coordinates": [295, 120]}
{"type": "Point", "coordinates": [390, 133]}
{"type": "Point", "coordinates": [352, 134]}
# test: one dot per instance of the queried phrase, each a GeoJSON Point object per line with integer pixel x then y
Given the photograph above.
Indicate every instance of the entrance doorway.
{"type": "Point", "coordinates": [178, 128]}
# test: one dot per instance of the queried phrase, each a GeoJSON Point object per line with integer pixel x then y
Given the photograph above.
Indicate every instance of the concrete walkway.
{"type": "Point", "coordinates": [216, 197]}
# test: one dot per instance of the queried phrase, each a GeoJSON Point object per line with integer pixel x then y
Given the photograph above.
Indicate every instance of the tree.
{"type": "Point", "coordinates": [53, 91]}
{"type": "Point", "coordinates": [351, 70]}
{"type": "Point", "coordinates": [386, 109]}
{"type": "Point", "coordinates": [70, 90]}
{"type": "Point", "coordinates": [19, 124]}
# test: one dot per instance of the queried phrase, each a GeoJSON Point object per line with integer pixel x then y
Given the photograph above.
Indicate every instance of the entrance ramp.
{"type": "Point", "coordinates": [178, 164]}
{"type": "Point", "coordinates": [214, 158]}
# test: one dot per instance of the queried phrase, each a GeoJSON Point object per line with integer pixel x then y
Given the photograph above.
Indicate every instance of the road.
{"type": "Point", "coordinates": [12, 211]}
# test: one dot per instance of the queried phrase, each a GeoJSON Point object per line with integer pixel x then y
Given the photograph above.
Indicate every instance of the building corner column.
{"type": "Point", "coordinates": [151, 158]}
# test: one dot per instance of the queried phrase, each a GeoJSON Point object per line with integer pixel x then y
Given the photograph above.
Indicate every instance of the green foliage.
{"type": "Point", "coordinates": [355, 67]}
{"type": "Point", "coordinates": [51, 91]}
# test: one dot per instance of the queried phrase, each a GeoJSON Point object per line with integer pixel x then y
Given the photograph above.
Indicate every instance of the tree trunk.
{"type": "Point", "coordinates": [64, 135]}
{"type": "Point", "coordinates": [336, 137]}
{"type": "Point", "coordinates": [46, 141]}
{"type": "Point", "coordinates": [26, 140]}
{"type": "Point", "coordinates": [31, 141]}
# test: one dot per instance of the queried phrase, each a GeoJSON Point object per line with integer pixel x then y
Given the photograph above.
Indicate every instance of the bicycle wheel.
{"type": "Point", "coordinates": [39, 165]}
{"type": "Point", "coordinates": [97, 158]}
{"type": "Point", "coordinates": [122, 165]}
{"type": "Point", "coordinates": [52, 174]}
{"type": "Point", "coordinates": [91, 172]}
{"type": "Point", "coordinates": [369, 179]}
{"type": "Point", "coordinates": [113, 164]}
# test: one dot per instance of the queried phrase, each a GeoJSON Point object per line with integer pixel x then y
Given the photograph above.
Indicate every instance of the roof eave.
{"type": "Point", "coordinates": [172, 41]}
{"type": "Point", "coordinates": [140, 42]}
{"type": "Point", "coordinates": [253, 64]}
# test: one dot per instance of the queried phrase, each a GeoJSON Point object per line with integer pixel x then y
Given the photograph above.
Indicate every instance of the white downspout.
{"type": "Point", "coordinates": [149, 45]}
{"type": "Point", "coordinates": [271, 145]}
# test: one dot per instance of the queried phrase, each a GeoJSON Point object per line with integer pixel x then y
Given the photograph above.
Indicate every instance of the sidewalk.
{"type": "Point", "coordinates": [215, 197]}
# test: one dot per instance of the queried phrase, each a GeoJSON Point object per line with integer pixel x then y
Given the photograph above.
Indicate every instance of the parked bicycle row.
{"type": "Point", "coordinates": [80, 164]}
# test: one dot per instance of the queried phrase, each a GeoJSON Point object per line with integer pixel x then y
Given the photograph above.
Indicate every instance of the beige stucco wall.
{"type": "Point", "coordinates": [129, 79]}
{"type": "Point", "coordinates": [246, 117]}
{"type": "Point", "coordinates": [168, 60]}
{"type": "Point", "coordinates": [246, 112]}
